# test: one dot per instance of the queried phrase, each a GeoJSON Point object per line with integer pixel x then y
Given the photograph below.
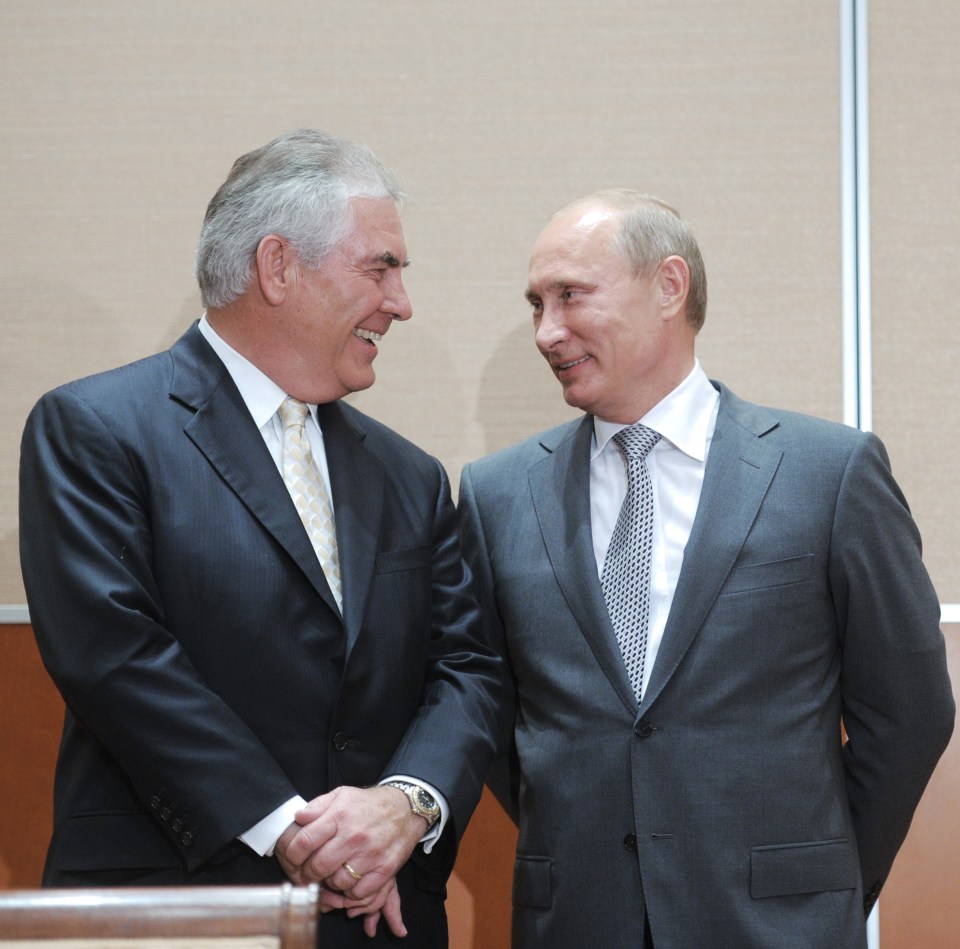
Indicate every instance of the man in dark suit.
{"type": "Point", "coordinates": [688, 631]}
{"type": "Point", "coordinates": [225, 660]}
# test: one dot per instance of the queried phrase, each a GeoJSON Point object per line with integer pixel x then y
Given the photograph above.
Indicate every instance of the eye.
{"type": "Point", "coordinates": [567, 295]}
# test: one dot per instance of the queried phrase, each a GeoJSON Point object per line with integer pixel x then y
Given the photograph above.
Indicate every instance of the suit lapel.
{"type": "Point", "coordinates": [739, 471]}
{"type": "Point", "coordinates": [560, 486]}
{"type": "Point", "coordinates": [224, 432]}
{"type": "Point", "coordinates": [358, 482]}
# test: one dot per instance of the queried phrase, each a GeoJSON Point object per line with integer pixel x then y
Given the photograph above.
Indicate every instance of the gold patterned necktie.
{"type": "Point", "coordinates": [309, 493]}
{"type": "Point", "coordinates": [626, 569]}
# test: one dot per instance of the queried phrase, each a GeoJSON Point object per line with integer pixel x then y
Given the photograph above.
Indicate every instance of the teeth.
{"type": "Point", "coordinates": [576, 362]}
{"type": "Point", "coordinates": [367, 334]}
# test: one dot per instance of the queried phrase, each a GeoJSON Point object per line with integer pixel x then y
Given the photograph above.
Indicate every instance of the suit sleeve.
{"type": "Point", "coordinates": [461, 715]}
{"type": "Point", "coordinates": [503, 778]}
{"type": "Point", "coordinates": [87, 559]}
{"type": "Point", "coordinates": [898, 707]}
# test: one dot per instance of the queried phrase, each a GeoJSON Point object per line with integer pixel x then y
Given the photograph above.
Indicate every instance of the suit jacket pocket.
{"type": "Point", "coordinates": [531, 881]}
{"type": "Point", "coordinates": [809, 867]}
{"type": "Point", "coordinates": [112, 841]}
{"type": "Point", "coordinates": [407, 558]}
{"type": "Point", "coordinates": [775, 573]}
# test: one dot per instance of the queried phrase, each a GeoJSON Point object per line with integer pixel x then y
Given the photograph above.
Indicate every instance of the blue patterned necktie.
{"type": "Point", "coordinates": [626, 570]}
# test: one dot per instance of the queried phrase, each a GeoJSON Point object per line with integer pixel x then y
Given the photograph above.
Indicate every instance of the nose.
{"type": "Point", "coordinates": [396, 302]}
{"type": "Point", "coordinates": [550, 329]}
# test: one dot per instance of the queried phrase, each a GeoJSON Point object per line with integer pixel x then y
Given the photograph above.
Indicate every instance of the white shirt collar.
{"type": "Point", "coordinates": [260, 393]}
{"type": "Point", "coordinates": [683, 417]}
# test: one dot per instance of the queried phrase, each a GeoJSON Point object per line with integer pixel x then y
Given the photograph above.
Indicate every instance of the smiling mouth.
{"type": "Point", "coordinates": [369, 335]}
{"type": "Point", "coordinates": [560, 366]}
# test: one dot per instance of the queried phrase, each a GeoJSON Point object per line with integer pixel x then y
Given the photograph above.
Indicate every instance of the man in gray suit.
{"type": "Point", "coordinates": [228, 646]}
{"type": "Point", "coordinates": [688, 632]}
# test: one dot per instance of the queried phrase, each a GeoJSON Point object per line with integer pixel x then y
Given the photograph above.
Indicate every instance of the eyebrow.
{"type": "Point", "coordinates": [391, 260]}
{"type": "Point", "coordinates": [551, 287]}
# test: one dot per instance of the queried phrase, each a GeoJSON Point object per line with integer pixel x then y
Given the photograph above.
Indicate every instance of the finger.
{"type": "Point", "coordinates": [331, 901]}
{"type": "Point", "coordinates": [372, 905]}
{"type": "Point", "coordinates": [391, 913]}
{"type": "Point", "coordinates": [370, 924]}
{"type": "Point", "coordinates": [310, 838]}
{"type": "Point", "coordinates": [362, 890]}
{"type": "Point", "coordinates": [317, 807]}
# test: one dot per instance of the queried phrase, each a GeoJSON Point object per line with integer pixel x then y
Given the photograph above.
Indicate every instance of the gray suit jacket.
{"type": "Point", "coordinates": [208, 674]}
{"type": "Point", "coordinates": [727, 801]}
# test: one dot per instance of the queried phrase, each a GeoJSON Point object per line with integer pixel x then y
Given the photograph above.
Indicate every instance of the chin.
{"type": "Point", "coordinates": [576, 400]}
{"type": "Point", "coordinates": [361, 383]}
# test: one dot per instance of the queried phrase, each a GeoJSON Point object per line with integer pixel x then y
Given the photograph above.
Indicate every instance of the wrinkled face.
{"type": "Point", "coordinates": [598, 326]}
{"type": "Point", "coordinates": [339, 312]}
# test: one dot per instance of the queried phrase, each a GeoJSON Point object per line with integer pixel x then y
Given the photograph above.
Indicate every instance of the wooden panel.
{"type": "Point", "coordinates": [207, 917]}
{"type": "Point", "coordinates": [32, 715]}
{"type": "Point", "coordinates": [919, 905]}
{"type": "Point", "coordinates": [479, 901]}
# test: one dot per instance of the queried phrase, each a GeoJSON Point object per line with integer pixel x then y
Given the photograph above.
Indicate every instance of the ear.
{"type": "Point", "coordinates": [674, 284]}
{"type": "Point", "coordinates": [276, 268]}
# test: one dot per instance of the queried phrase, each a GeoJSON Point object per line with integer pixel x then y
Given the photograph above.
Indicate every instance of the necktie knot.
{"type": "Point", "coordinates": [636, 441]}
{"type": "Point", "coordinates": [293, 413]}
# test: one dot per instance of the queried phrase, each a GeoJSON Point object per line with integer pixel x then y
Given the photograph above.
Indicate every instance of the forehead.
{"type": "Point", "coordinates": [576, 243]}
{"type": "Point", "coordinates": [377, 231]}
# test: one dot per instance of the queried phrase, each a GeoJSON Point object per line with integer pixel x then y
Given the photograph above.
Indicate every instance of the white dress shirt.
{"type": "Point", "coordinates": [263, 398]}
{"type": "Point", "coordinates": [685, 419]}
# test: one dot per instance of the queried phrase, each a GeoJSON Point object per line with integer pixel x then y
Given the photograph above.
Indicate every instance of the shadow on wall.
{"type": "Point", "coordinates": [519, 395]}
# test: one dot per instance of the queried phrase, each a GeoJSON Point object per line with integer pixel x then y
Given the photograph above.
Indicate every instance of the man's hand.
{"type": "Point", "coordinates": [353, 841]}
{"type": "Point", "coordinates": [386, 903]}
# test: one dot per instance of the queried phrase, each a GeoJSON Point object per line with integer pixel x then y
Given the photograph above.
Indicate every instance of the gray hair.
{"type": "Point", "coordinates": [299, 186]}
{"type": "Point", "coordinates": [649, 231]}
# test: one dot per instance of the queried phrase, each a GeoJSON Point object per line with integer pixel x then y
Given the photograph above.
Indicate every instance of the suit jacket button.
{"type": "Point", "coordinates": [165, 813]}
{"type": "Point", "coordinates": [630, 842]}
{"type": "Point", "coordinates": [340, 741]}
{"type": "Point", "coordinates": [177, 826]}
{"type": "Point", "coordinates": [155, 803]}
{"type": "Point", "coordinates": [186, 839]}
{"type": "Point", "coordinates": [643, 729]}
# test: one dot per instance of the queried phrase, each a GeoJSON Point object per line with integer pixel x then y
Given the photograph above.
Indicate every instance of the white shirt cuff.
{"type": "Point", "coordinates": [263, 836]}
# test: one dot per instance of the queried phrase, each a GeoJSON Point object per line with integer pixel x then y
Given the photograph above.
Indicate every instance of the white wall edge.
{"type": "Point", "coordinates": [14, 614]}
{"type": "Point", "coordinates": [950, 613]}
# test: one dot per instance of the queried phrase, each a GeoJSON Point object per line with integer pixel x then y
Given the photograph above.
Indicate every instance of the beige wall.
{"type": "Point", "coordinates": [915, 178]}
{"type": "Point", "coordinates": [120, 118]}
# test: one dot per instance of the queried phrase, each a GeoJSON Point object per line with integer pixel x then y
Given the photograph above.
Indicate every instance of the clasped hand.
{"type": "Point", "coordinates": [371, 831]}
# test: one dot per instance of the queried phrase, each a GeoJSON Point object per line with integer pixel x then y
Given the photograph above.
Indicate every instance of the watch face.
{"type": "Point", "coordinates": [425, 799]}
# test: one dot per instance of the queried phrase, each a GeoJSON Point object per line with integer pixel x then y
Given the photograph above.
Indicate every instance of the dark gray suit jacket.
{"type": "Point", "coordinates": [208, 677]}
{"type": "Point", "coordinates": [727, 801]}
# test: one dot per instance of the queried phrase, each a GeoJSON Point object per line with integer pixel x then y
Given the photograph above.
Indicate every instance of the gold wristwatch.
{"type": "Point", "coordinates": [422, 802]}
